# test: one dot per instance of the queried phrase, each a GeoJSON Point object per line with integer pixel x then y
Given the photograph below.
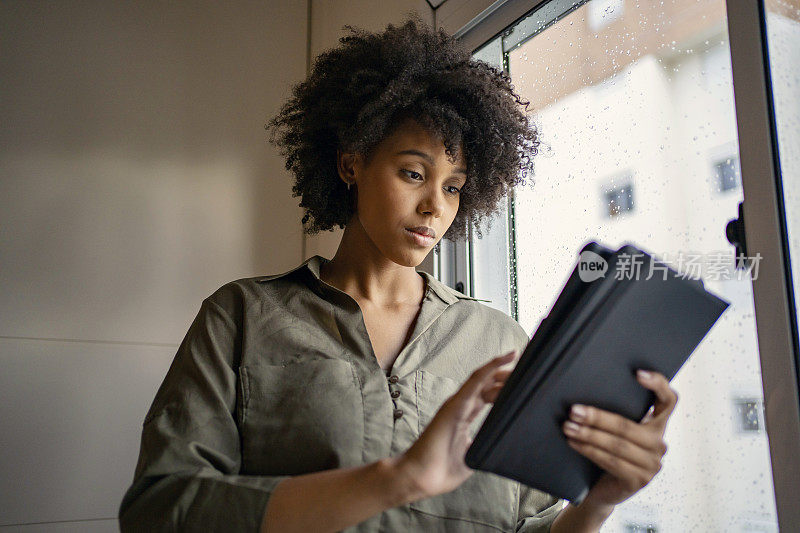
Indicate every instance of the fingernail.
{"type": "Point", "coordinates": [578, 412]}
{"type": "Point", "coordinates": [644, 374]}
{"type": "Point", "coordinates": [571, 428]}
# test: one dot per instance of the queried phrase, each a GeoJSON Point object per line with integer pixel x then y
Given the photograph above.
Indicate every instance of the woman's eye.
{"type": "Point", "coordinates": [410, 172]}
{"type": "Point", "coordinates": [453, 190]}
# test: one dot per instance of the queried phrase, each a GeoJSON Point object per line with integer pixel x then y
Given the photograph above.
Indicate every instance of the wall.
{"type": "Point", "coordinates": [135, 179]}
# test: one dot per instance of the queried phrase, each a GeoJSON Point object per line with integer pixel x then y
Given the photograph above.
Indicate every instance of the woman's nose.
{"type": "Point", "coordinates": [432, 203]}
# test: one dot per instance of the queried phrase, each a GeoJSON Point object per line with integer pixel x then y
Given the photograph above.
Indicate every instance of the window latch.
{"type": "Point", "coordinates": [734, 231]}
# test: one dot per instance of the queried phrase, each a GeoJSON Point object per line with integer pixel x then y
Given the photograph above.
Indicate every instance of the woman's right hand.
{"type": "Point", "coordinates": [435, 462]}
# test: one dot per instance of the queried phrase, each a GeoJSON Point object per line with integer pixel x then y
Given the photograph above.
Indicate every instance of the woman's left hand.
{"type": "Point", "coordinates": [628, 451]}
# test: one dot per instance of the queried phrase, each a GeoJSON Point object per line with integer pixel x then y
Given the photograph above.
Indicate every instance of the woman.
{"type": "Point", "coordinates": [342, 394]}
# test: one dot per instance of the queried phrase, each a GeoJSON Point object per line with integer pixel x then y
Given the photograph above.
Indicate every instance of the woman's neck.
{"type": "Point", "coordinates": [363, 272]}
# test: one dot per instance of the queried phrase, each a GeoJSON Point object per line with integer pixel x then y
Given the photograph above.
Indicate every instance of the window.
{"type": "Point", "coordinates": [749, 414]}
{"type": "Point", "coordinates": [619, 200]}
{"type": "Point", "coordinates": [653, 92]}
{"type": "Point", "coordinates": [726, 174]}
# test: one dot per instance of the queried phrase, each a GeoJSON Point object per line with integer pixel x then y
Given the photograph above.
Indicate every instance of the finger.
{"type": "Point", "coordinates": [501, 374]}
{"type": "Point", "coordinates": [486, 386]}
{"type": "Point", "coordinates": [645, 436]}
{"type": "Point", "coordinates": [666, 397]}
{"type": "Point", "coordinates": [490, 394]}
{"type": "Point", "coordinates": [631, 476]}
{"type": "Point", "coordinates": [498, 380]}
{"type": "Point", "coordinates": [486, 371]}
{"type": "Point", "coordinates": [490, 391]}
{"type": "Point", "coordinates": [649, 459]}
{"type": "Point", "coordinates": [494, 364]}
{"type": "Point", "coordinates": [486, 396]}
{"type": "Point", "coordinates": [482, 374]}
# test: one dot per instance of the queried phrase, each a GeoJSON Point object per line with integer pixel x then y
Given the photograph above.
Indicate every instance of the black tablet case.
{"type": "Point", "coordinates": [587, 351]}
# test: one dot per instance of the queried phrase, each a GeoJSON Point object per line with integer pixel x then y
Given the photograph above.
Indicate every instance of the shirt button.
{"type": "Point", "coordinates": [393, 379]}
{"type": "Point", "coordinates": [398, 413]}
{"type": "Point", "coordinates": [395, 393]}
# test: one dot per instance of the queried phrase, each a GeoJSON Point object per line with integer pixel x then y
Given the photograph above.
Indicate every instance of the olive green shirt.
{"type": "Point", "coordinates": [276, 377]}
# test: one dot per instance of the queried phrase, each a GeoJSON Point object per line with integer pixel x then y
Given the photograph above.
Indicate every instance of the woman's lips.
{"type": "Point", "coordinates": [420, 239]}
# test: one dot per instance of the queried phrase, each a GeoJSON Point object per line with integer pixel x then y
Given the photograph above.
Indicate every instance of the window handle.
{"type": "Point", "coordinates": [734, 231]}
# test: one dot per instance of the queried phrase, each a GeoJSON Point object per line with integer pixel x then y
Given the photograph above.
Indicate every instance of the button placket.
{"type": "Point", "coordinates": [394, 393]}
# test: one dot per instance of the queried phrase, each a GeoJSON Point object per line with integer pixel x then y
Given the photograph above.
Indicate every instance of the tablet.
{"type": "Point", "coordinates": [587, 350]}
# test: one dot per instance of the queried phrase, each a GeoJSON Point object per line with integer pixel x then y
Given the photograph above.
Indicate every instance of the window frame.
{"type": "Point", "coordinates": [764, 232]}
{"type": "Point", "coordinates": [476, 22]}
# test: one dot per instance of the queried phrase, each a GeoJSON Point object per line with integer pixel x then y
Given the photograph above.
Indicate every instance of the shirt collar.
{"type": "Point", "coordinates": [312, 264]}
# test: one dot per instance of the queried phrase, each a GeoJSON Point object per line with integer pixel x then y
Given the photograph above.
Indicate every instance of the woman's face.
{"type": "Point", "coordinates": [409, 189]}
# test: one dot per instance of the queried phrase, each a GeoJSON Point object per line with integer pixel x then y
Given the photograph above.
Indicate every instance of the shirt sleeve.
{"type": "Point", "coordinates": [187, 475]}
{"type": "Point", "coordinates": [537, 510]}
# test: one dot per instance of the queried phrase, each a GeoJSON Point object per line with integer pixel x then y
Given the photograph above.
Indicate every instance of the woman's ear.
{"type": "Point", "coordinates": [345, 165]}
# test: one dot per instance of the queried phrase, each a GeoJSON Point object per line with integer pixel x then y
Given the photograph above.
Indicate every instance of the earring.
{"type": "Point", "coordinates": [348, 185]}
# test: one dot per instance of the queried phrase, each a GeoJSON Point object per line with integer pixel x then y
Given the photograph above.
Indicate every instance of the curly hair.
{"type": "Point", "coordinates": [360, 91]}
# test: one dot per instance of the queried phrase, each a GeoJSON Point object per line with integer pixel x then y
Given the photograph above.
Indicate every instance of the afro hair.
{"type": "Point", "coordinates": [358, 92]}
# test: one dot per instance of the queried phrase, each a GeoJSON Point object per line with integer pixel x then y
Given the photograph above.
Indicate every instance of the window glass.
{"type": "Point", "coordinates": [783, 44]}
{"type": "Point", "coordinates": [634, 104]}
{"type": "Point", "coordinates": [492, 255]}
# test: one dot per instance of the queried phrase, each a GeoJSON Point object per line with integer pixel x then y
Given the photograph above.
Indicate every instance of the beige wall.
{"type": "Point", "coordinates": [135, 179]}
